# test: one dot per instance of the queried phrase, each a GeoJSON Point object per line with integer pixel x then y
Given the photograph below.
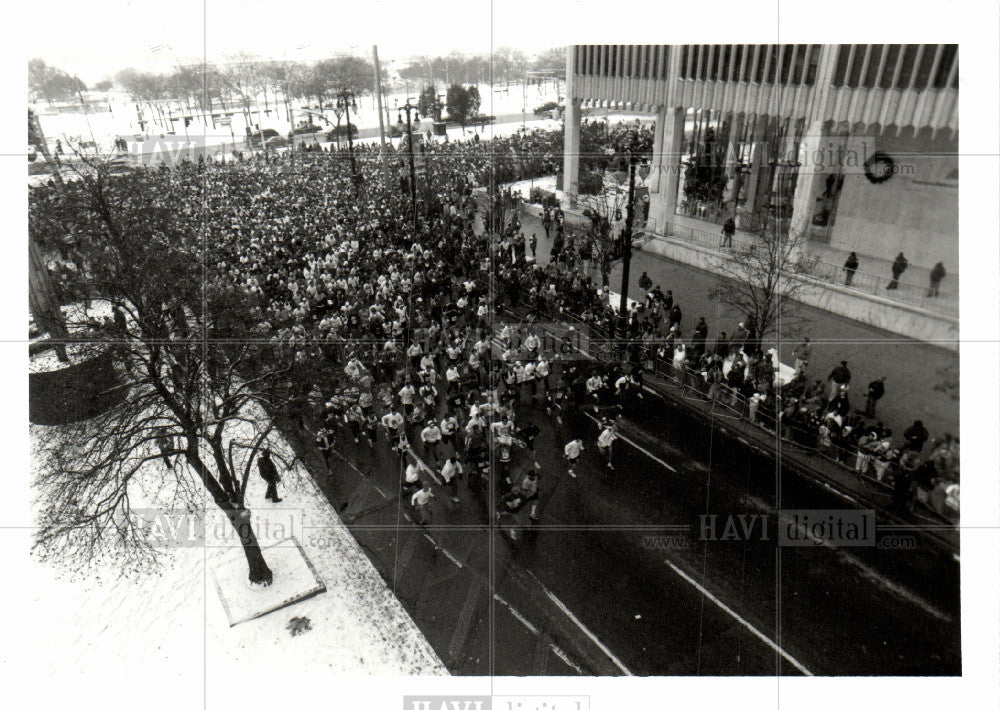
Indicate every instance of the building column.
{"type": "Point", "coordinates": [666, 167]}
{"type": "Point", "coordinates": [733, 163]}
{"type": "Point", "coordinates": [820, 152]}
{"type": "Point", "coordinates": [571, 147]}
{"type": "Point", "coordinates": [758, 166]}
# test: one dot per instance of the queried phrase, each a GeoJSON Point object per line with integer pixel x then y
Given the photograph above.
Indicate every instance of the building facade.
{"type": "Point", "coordinates": [852, 146]}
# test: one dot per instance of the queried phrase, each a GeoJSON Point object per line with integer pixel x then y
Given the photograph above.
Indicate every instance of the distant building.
{"type": "Point", "coordinates": [854, 145]}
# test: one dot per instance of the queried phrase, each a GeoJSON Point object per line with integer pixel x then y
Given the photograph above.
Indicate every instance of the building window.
{"type": "Point", "coordinates": [857, 65]}
{"type": "Point", "coordinates": [813, 66]}
{"type": "Point", "coordinates": [844, 52]}
{"type": "Point", "coordinates": [926, 65]}
{"type": "Point", "coordinates": [892, 54]}
{"type": "Point", "coordinates": [874, 62]}
{"type": "Point", "coordinates": [949, 57]}
{"type": "Point", "coordinates": [910, 52]}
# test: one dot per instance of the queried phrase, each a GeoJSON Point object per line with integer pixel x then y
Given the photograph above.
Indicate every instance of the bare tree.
{"type": "Point", "coordinates": [198, 367]}
{"type": "Point", "coordinates": [761, 279]}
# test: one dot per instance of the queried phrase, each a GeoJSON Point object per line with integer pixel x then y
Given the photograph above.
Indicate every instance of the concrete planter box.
{"type": "Point", "coordinates": [75, 392]}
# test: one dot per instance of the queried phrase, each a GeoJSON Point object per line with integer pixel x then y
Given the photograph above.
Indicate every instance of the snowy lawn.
{"type": "Point", "coordinates": [172, 623]}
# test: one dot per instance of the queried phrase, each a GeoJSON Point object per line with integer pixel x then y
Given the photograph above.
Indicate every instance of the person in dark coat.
{"type": "Point", "coordinates": [839, 377]}
{"type": "Point", "coordinates": [270, 475]}
{"type": "Point", "coordinates": [937, 274]}
{"type": "Point", "coordinates": [876, 388]}
{"type": "Point", "coordinates": [850, 266]}
{"type": "Point", "coordinates": [728, 230]}
{"type": "Point", "coordinates": [916, 436]}
{"type": "Point", "coordinates": [898, 267]}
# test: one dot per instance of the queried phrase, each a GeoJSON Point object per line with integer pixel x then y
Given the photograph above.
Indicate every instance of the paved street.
{"type": "Point", "coordinates": [620, 558]}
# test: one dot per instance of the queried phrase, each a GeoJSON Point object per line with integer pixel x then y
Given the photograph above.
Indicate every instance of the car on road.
{"type": "Point", "coordinates": [306, 127]}
{"type": "Point", "coordinates": [277, 142]}
{"type": "Point", "coordinates": [267, 133]}
{"type": "Point", "coordinates": [547, 108]}
{"type": "Point", "coordinates": [341, 132]}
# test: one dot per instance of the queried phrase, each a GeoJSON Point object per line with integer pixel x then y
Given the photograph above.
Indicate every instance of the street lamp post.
{"type": "Point", "coordinates": [346, 103]}
{"type": "Point", "coordinates": [626, 241]}
{"type": "Point", "coordinates": [410, 108]}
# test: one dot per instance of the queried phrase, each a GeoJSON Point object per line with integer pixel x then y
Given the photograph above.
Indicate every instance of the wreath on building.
{"type": "Point", "coordinates": [879, 168]}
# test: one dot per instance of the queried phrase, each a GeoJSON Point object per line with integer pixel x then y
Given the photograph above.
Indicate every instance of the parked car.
{"type": "Point", "coordinates": [547, 108]}
{"type": "Point", "coordinates": [341, 132]}
{"type": "Point", "coordinates": [306, 127]}
{"type": "Point", "coordinates": [477, 120]}
{"type": "Point", "coordinates": [277, 142]}
{"type": "Point", "coordinates": [268, 133]}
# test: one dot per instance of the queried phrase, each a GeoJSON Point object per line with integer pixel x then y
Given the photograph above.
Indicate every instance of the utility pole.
{"type": "Point", "coordinates": [383, 151]}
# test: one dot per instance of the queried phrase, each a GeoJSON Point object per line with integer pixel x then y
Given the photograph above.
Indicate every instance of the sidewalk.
{"type": "Point", "coordinates": [172, 622]}
{"type": "Point", "coordinates": [914, 371]}
{"type": "Point", "coordinates": [872, 276]}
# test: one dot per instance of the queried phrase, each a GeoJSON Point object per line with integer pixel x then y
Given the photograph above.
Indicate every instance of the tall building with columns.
{"type": "Point", "coordinates": [852, 146]}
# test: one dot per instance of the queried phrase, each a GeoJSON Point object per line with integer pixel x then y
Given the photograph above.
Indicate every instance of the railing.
{"type": "Point", "coordinates": [908, 292]}
{"type": "Point", "coordinates": [728, 402]}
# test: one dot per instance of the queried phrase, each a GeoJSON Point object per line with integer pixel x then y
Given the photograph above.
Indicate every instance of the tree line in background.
{"type": "Point", "coordinates": [503, 66]}
{"type": "Point", "coordinates": [242, 78]}
{"type": "Point", "coordinates": [52, 84]}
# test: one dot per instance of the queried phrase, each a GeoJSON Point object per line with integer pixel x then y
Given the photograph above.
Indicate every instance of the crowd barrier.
{"type": "Point", "coordinates": [725, 402]}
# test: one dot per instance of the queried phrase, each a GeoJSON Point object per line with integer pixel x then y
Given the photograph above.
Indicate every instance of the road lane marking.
{"type": "Point", "coordinates": [580, 625]}
{"type": "Point", "coordinates": [458, 563]}
{"type": "Point", "coordinates": [632, 443]}
{"type": "Point", "coordinates": [866, 570]}
{"type": "Point", "coordinates": [750, 627]}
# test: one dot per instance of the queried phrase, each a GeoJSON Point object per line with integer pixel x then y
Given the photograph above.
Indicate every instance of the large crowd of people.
{"type": "Point", "coordinates": [427, 320]}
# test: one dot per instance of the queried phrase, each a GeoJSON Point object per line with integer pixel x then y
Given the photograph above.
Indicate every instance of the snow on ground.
{"type": "Point", "coordinates": [118, 115]}
{"type": "Point", "coordinates": [76, 316]}
{"type": "Point", "coordinates": [172, 624]}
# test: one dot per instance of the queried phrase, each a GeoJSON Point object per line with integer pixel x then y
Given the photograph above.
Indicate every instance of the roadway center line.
{"type": "Point", "coordinates": [632, 443]}
{"type": "Point", "coordinates": [580, 625]}
{"type": "Point", "coordinates": [719, 603]}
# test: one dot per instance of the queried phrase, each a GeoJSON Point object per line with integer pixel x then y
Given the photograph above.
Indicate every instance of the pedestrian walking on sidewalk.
{"type": "Point", "coordinates": [728, 230]}
{"type": "Point", "coordinates": [937, 274]}
{"type": "Point", "coordinates": [533, 245]}
{"type": "Point", "coordinates": [839, 377]}
{"type": "Point", "coordinates": [850, 266]}
{"type": "Point", "coordinates": [876, 388]}
{"type": "Point", "coordinates": [270, 475]}
{"type": "Point", "coordinates": [898, 267]}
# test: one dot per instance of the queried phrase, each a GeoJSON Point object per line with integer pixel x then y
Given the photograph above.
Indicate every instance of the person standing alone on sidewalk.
{"type": "Point", "coordinates": [728, 230]}
{"type": "Point", "coordinates": [270, 475]}
{"type": "Point", "coordinates": [850, 266]}
{"type": "Point", "coordinates": [937, 274]}
{"type": "Point", "coordinates": [876, 388]}
{"type": "Point", "coordinates": [898, 267]}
